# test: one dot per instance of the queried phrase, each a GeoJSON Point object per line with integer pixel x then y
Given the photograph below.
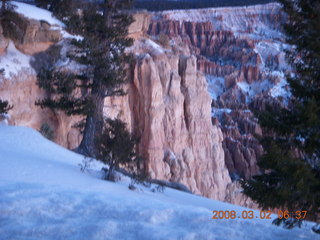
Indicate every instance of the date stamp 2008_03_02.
{"type": "Point", "coordinates": [250, 214]}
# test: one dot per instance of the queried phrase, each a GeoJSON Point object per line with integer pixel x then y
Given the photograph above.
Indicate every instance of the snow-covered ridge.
{"type": "Point", "coordinates": [236, 19]}
{"type": "Point", "coordinates": [209, 14]}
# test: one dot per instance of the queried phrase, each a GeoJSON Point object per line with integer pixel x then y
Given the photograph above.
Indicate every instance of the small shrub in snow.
{"type": "Point", "coordinates": [111, 176]}
{"type": "Point", "coordinates": [85, 165]}
{"type": "Point", "coordinates": [117, 147]}
{"type": "Point", "coordinates": [316, 228]}
{"type": "Point", "coordinates": [158, 188]}
{"type": "Point", "coordinates": [132, 187]}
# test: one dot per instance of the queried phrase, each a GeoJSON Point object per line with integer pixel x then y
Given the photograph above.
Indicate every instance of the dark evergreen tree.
{"type": "Point", "coordinates": [291, 163]}
{"type": "Point", "coordinates": [13, 23]}
{"type": "Point", "coordinates": [4, 107]}
{"type": "Point", "coordinates": [116, 147]}
{"type": "Point", "coordinates": [104, 27]}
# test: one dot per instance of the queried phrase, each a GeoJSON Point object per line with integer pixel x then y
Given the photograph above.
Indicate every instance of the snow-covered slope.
{"type": "Point", "coordinates": [44, 195]}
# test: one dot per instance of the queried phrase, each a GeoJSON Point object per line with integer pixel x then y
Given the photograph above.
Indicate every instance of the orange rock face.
{"type": "Point", "coordinates": [169, 106]}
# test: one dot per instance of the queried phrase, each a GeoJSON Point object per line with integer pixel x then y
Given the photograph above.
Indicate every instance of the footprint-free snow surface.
{"type": "Point", "coordinates": [44, 195]}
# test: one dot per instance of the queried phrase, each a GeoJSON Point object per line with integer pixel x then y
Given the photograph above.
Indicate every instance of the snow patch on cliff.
{"type": "Point", "coordinates": [146, 45]}
{"type": "Point", "coordinates": [216, 86]}
{"type": "Point", "coordinates": [279, 89]}
{"type": "Point", "coordinates": [14, 62]}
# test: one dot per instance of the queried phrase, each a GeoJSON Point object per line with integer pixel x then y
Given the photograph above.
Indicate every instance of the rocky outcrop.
{"type": "Point", "coordinates": [140, 25]}
{"type": "Point", "coordinates": [168, 105]}
{"type": "Point", "coordinates": [31, 36]}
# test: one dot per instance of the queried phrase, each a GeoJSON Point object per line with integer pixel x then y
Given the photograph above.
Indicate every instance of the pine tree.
{"type": "Point", "coordinates": [291, 164]}
{"type": "Point", "coordinates": [104, 28]}
{"type": "Point", "coordinates": [4, 107]}
{"type": "Point", "coordinates": [116, 147]}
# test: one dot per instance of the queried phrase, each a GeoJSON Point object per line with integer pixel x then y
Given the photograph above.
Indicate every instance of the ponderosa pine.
{"type": "Point", "coordinates": [104, 28]}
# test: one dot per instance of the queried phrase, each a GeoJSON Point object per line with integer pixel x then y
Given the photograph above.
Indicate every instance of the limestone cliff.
{"type": "Point", "coordinates": [169, 106]}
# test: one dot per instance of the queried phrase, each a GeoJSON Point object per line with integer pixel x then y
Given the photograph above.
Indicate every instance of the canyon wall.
{"type": "Point", "coordinates": [241, 52]}
{"type": "Point", "coordinates": [188, 98]}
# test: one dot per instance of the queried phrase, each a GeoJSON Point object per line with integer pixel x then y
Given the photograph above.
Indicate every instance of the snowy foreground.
{"type": "Point", "coordinates": [44, 195]}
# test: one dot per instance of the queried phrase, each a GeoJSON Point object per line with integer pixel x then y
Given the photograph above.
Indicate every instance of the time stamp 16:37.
{"type": "Point", "coordinates": [257, 215]}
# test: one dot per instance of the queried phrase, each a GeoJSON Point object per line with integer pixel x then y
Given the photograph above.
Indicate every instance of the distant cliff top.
{"type": "Point", "coordinates": [161, 5]}
{"type": "Point", "coordinates": [261, 21]}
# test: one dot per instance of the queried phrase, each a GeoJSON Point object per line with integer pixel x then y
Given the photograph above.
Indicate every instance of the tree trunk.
{"type": "Point", "coordinates": [94, 123]}
{"type": "Point", "coordinates": [110, 176]}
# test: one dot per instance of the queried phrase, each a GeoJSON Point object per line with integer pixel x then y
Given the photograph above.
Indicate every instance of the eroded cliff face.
{"type": "Point", "coordinates": [241, 52]}
{"type": "Point", "coordinates": [169, 106]}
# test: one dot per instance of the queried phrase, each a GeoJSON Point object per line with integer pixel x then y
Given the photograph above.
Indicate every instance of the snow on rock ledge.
{"type": "Point", "coordinates": [14, 62]}
{"type": "Point", "coordinates": [33, 12]}
{"type": "Point", "coordinates": [252, 19]}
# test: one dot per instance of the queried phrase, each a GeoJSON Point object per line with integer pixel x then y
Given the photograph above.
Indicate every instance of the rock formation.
{"type": "Point", "coordinates": [168, 105]}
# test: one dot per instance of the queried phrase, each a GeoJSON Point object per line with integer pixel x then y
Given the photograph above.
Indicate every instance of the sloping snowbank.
{"type": "Point", "coordinates": [45, 196]}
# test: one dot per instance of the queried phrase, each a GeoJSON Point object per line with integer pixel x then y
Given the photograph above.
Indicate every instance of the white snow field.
{"type": "Point", "coordinates": [44, 195]}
